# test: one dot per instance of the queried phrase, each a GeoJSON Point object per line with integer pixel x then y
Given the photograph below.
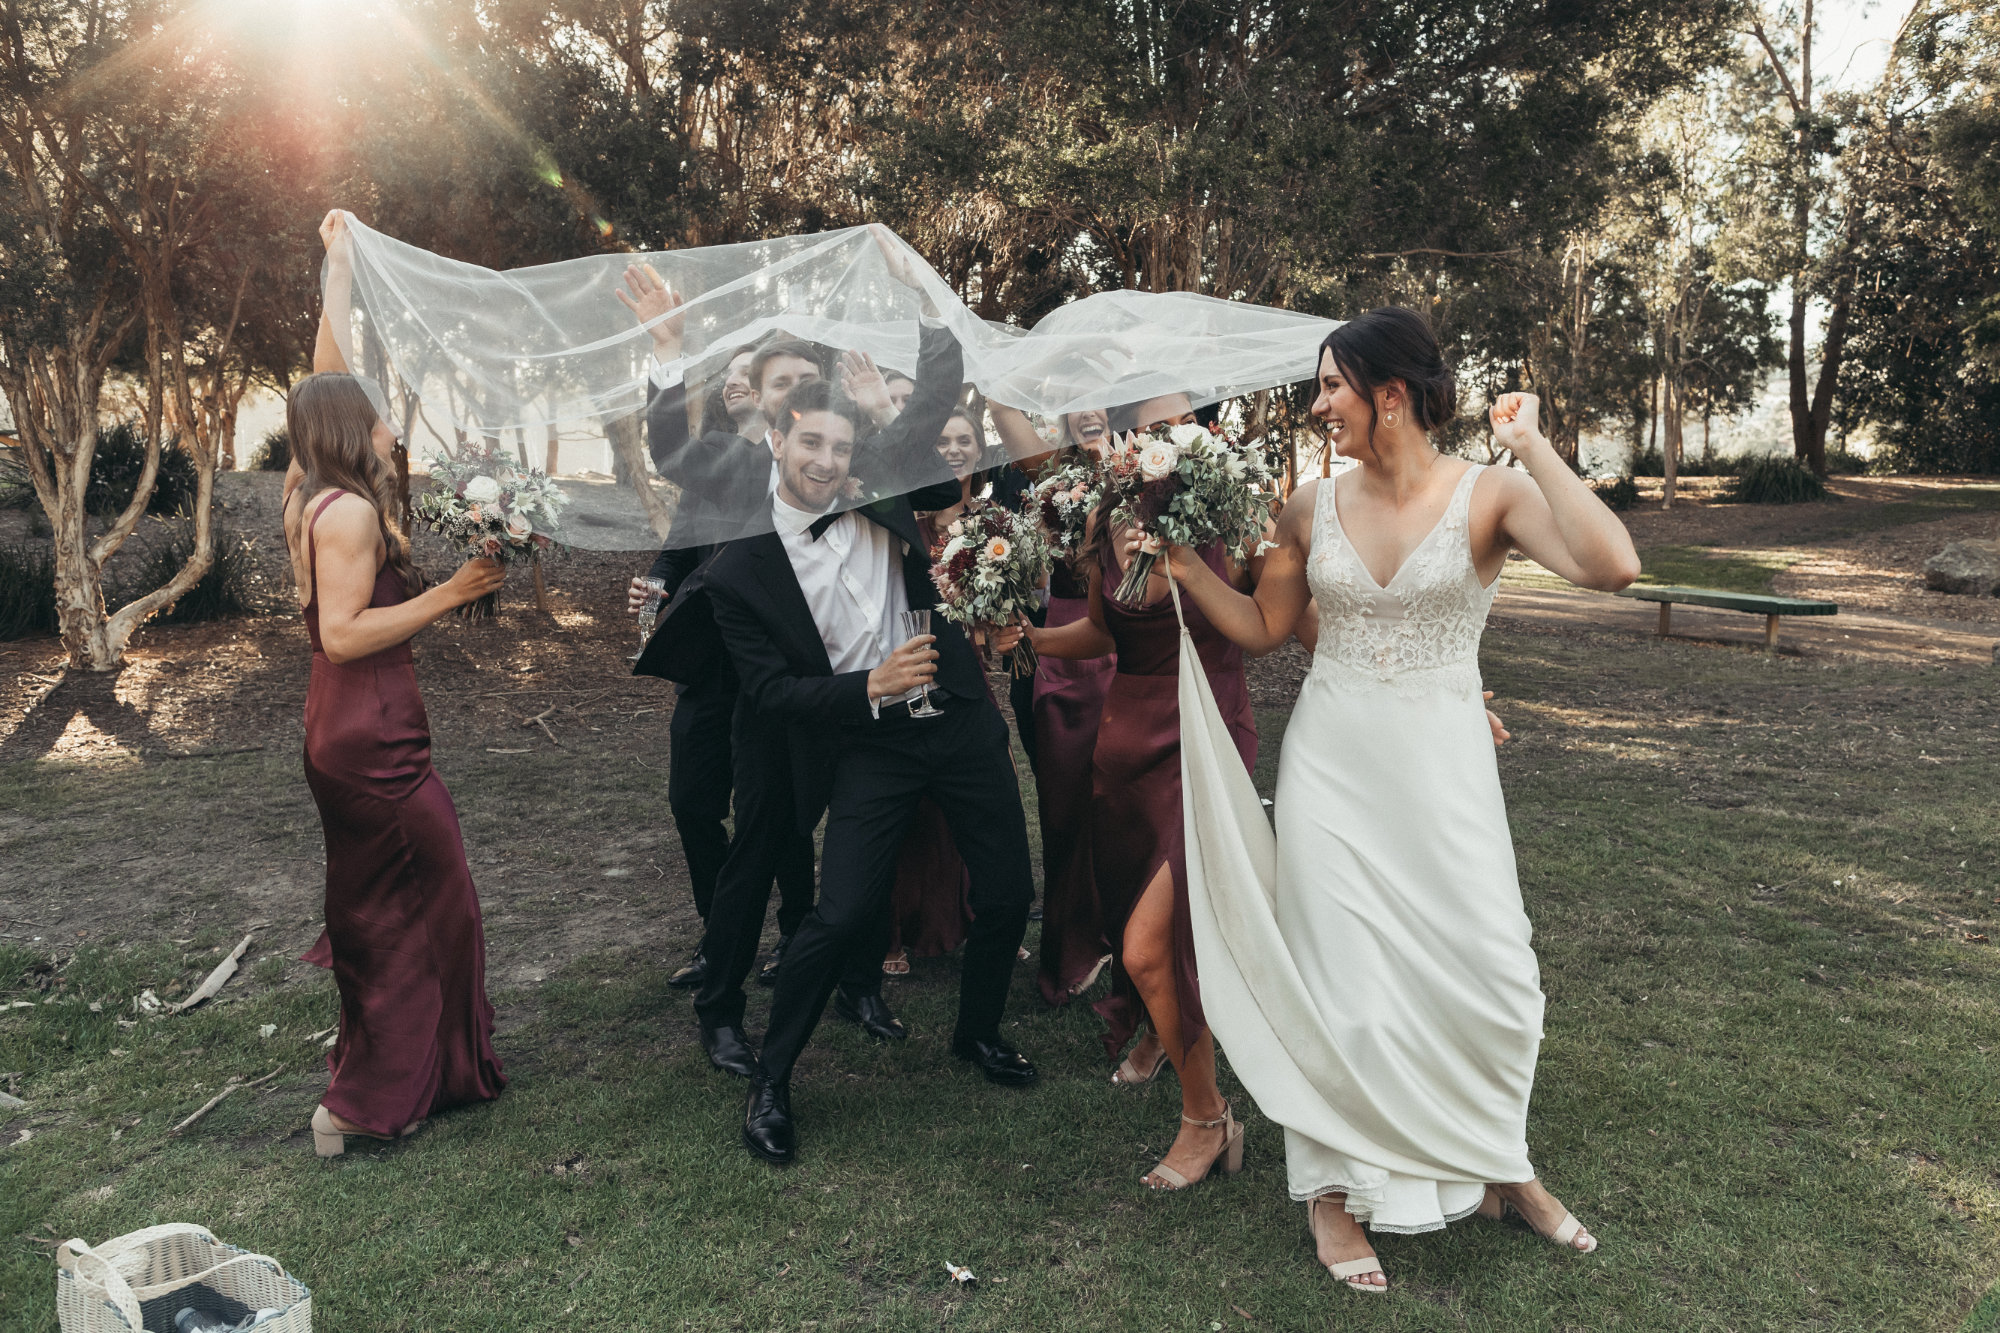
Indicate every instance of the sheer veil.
{"type": "Point", "coordinates": [465, 353]}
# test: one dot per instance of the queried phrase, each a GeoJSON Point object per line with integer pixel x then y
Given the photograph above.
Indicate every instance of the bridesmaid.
{"type": "Point", "coordinates": [927, 907]}
{"type": "Point", "coordinates": [1136, 842]}
{"type": "Point", "coordinates": [403, 933]}
{"type": "Point", "coordinates": [1068, 700]}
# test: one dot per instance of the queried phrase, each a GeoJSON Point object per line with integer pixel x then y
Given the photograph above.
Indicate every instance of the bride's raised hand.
{"type": "Point", "coordinates": [651, 302]}
{"type": "Point", "coordinates": [334, 235]}
{"type": "Point", "coordinates": [1515, 418]}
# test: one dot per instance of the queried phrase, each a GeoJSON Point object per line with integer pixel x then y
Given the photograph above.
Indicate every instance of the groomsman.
{"type": "Point", "coordinates": [810, 615]}
{"type": "Point", "coordinates": [726, 477]}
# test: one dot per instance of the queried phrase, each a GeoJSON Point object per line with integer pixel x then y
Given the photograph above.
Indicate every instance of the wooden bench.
{"type": "Point", "coordinates": [1756, 603]}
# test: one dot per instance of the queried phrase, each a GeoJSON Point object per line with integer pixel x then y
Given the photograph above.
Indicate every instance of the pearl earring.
{"type": "Point", "coordinates": [1389, 419]}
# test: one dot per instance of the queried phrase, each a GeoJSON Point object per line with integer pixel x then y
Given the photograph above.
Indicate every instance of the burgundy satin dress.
{"type": "Point", "coordinates": [1136, 782]}
{"type": "Point", "coordinates": [1069, 699]}
{"type": "Point", "coordinates": [403, 931]}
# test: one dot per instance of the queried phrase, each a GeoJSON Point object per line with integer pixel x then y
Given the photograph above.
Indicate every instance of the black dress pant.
{"type": "Point", "coordinates": [768, 846]}
{"type": "Point", "coordinates": [699, 781]}
{"type": "Point", "coordinates": [960, 761]}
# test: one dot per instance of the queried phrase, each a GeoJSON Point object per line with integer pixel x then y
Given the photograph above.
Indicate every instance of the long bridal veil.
{"type": "Point", "coordinates": [466, 354]}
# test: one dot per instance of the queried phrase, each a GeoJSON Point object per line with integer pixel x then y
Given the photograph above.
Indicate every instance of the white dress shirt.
{"type": "Point", "coordinates": [852, 579]}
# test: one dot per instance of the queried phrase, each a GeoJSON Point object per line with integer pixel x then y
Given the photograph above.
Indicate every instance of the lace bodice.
{"type": "Point", "coordinates": [1418, 635]}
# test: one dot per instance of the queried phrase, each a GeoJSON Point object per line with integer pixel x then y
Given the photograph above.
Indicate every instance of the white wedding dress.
{"type": "Point", "coordinates": [1367, 967]}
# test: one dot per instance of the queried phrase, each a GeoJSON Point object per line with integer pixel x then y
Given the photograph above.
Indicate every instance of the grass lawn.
{"type": "Point", "coordinates": [1732, 569]}
{"type": "Point", "coordinates": [1765, 1084]}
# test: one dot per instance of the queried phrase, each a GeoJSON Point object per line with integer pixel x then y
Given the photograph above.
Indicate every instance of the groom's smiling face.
{"type": "Point", "coordinates": [814, 456]}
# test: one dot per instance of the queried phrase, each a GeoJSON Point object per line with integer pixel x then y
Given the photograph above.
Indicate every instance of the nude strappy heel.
{"type": "Point", "coordinates": [330, 1141]}
{"type": "Point", "coordinates": [1230, 1158]}
{"type": "Point", "coordinates": [1349, 1270]}
{"type": "Point", "coordinates": [1128, 1075]}
{"type": "Point", "coordinates": [1494, 1207]}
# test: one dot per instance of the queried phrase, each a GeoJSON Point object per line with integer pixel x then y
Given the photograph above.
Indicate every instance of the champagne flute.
{"type": "Point", "coordinates": [649, 612]}
{"type": "Point", "coordinates": [915, 623]}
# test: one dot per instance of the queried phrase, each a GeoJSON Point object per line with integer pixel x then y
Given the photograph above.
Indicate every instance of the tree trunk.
{"type": "Point", "coordinates": [1670, 443]}
{"type": "Point", "coordinates": [1796, 365]}
{"type": "Point", "coordinates": [1831, 353]}
{"type": "Point", "coordinates": [627, 436]}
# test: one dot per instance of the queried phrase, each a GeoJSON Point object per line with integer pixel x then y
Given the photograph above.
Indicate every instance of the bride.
{"type": "Point", "coordinates": [1377, 993]}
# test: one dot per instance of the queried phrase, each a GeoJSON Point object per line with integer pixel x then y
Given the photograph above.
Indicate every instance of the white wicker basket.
{"type": "Point", "coordinates": [99, 1289]}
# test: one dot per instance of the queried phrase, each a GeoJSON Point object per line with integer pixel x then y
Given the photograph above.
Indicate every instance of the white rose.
{"type": "Point", "coordinates": [509, 478]}
{"type": "Point", "coordinates": [518, 527]}
{"type": "Point", "coordinates": [481, 489]}
{"type": "Point", "coordinates": [1188, 435]}
{"type": "Point", "coordinates": [1156, 460]}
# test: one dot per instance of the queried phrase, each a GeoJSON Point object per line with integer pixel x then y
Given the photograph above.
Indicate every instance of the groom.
{"type": "Point", "coordinates": [810, 615]}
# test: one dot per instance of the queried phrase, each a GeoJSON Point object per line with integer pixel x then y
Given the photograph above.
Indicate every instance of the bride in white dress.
{"type": "Point", "coordinates": [1373, 981]}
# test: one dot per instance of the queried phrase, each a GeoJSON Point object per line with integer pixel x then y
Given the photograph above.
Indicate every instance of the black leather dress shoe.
{"type": "Point", "coordinates": [871, 1013]}
{"type": "Point", "coordinates": [729, 1051]}
{"type": "Point", "coordinates": [767, 975]}
{"type": "Point", "coordinates": [767, 1122]}
{"type": "Point", "coordinates": [691, 976]}
{"type": "Point", "coordinates": [997, 1060]}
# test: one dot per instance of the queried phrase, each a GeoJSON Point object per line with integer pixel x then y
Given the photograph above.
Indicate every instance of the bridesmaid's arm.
{"type": "Point", "coordinates": [346, 555]}
{"type": "Point", "coordinates": [339, 292]}
{"type": "Point", "coordinates": [1080, 640]}
{"type": "Point", "coordinates": [1260, 621]}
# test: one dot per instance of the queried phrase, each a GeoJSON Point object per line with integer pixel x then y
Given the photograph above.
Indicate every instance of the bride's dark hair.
{"type": "Point", "coordinates": [331, 422]}
{"type": "Point", "coordinates": [1391, 343]}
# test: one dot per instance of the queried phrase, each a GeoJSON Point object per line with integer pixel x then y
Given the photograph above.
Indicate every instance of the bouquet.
{"type": "Point", "coordinates": [1064, 500]}
{"type": "Point", "coordinates": [1187, 486]}
{"type": "Point", "coordinates": [492, 508]}
{"type": "Point", "coordinates": [990, 572]}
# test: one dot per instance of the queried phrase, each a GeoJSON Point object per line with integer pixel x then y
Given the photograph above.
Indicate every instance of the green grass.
{"type": "Point", "coordinates": [1731, 569]}
{"type": "Point", "coordinates": [1766, 1081]}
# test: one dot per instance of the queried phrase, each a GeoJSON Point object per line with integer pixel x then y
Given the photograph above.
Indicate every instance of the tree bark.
{"type": "Point", "coordinates": [627, 437]}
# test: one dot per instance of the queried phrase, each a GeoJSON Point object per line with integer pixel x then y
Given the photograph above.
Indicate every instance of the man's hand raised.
{"type": "Point", "coordinates": [648, 297]}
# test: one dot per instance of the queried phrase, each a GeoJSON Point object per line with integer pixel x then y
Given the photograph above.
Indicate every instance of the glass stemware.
{"type": "Point", "coordinates": [649, 613]}
{"type": "Point", "coordinates": [915, 623]}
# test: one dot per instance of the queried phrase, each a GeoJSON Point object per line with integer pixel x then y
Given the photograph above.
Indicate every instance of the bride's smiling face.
{"type": "Point", "coordinates": [1347, 414]}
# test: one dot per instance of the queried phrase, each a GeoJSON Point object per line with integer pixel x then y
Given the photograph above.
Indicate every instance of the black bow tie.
{"type": "Point", "coordinates": [819, 525]}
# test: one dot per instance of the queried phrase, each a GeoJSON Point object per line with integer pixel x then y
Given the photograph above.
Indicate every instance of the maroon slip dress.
{"type": "Point", "coordinates": [403, 931]}
{"type": "Point", "coordinates": [1069, 699]}
{"type": "Point", "coordinates": [1136, 823]}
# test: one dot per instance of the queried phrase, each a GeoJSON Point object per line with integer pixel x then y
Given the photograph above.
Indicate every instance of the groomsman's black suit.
{"type": "Point", "coordinates": [726, 483]}
{"type": "Point", "coordinates": [866, 773]}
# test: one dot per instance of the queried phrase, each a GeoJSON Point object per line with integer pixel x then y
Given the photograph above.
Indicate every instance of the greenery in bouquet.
{"type": "Point", "coordinates": [489, 507]}
{"type": "Point", "coordinates": [1187, 485]}
{"type": "Point", "coordinates": [991, 570]}
{"type": "Point", "coordinates": [1063, 501]}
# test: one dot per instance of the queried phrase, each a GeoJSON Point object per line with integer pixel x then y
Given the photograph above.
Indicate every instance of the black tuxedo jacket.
{"type": "Point", "coordinates": [725, 484]}
{"type": "Point", "coordinates": [781, 661]}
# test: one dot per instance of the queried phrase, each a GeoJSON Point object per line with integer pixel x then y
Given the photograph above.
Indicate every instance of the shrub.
{"type": "Point", "coordinates": [114, 472]}
{"type": "Point", "coordinates": [1842, 463]}
{"type": "Point", "coordinates": [1648, 463]}
{"type": "Point", "coordinates": [27, 592]}
{"type": "Point", "coordinates": [115, 469]}
{"type": "Point", "coordinates": [1620, 493]}
{"type": "Point", "coordinates": [16, 490]}
{"type": "Point", "coordinates": [224, 591]}
{"type": "Point", "coordinates": [275, 453]}
{"type": "Point", "coordinates": [1776, 480]}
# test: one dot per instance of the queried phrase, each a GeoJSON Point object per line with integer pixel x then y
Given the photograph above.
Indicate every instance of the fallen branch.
{"type": "Point", "coordinates": [224, 970]}
{"type": "Point", "coordinates": [545, 728]}
{"type": "Point", "coordinates": [216, 1100]}
{"type": "Point", "coordinates": [322, 1034]}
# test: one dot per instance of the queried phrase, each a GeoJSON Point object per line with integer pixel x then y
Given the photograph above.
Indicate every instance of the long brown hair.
{"type": "Point", "coordinates": [331, 420]}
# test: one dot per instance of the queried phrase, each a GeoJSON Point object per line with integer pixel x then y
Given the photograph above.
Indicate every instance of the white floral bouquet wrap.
{"type": "Point", "coordinates": [494, 509]}
{"type": "Point", "coordinates": [1187, 485]}
{"type": "Point", "coordinates": [990, 572]}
